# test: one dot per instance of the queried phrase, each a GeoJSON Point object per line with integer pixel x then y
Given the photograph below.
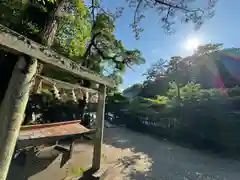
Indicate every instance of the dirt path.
{"type": "Point", "coordinates": [169, 161]}
{"type": "Point", "coordinates": [129, 156]}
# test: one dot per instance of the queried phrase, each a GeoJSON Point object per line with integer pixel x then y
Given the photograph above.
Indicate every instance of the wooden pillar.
{"type": "Point", "coordinates": [12, 110]}
{"type": "Point", "coordinates": [97, 152]}
{"type": "Point", "coordinates": [38, 85]}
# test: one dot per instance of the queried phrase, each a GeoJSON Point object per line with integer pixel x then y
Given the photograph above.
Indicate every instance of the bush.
{"type": "Point", "coordinates": [204, 117]}
{"type": "Point", "coordinates": [232, 92]}
{"type": "Point", "coordinates": [159, 100]}
{"type": "Point", "coordinates": [234, 102]}
{"type": "Point", "coordinates": [208, 115]}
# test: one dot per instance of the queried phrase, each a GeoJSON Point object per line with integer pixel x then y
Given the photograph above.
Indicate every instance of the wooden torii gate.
{"type": "Point", "coordinates": [42, 82]}
{"type": "Point", "coordinates": [10, 122]}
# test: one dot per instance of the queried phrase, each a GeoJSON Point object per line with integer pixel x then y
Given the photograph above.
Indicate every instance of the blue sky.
{"type": "Point", "coordinates": [154, 44]}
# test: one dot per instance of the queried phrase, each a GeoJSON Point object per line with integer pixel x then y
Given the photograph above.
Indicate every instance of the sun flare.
{"type": "Point", "coordinates": [192, 44]}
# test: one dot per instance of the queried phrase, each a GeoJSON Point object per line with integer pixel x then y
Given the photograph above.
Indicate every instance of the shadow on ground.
{"type": "Point", "coordinates": [23, 167]}
{"type": "Point", "coordinates": [130, 155]}
{"type": "Point", "coordinates": [160, 159]}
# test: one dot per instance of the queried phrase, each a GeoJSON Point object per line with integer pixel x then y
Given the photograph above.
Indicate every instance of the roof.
{"type": "Point", "coordinates": [19, 44]}
{"type": "Point", "coordinates": [51, 129]}
{"type": "Point", "coordinates": [52, 132]}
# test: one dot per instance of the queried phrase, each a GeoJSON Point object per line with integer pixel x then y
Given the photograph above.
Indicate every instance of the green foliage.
{"type": "Point", "coordinates": [117, 98]}
{"type": "Point", "coordinates": [133, 90]}
{"type": "Point", "coordinates": [74, 30]}
{"type": "Point", "coordinates": [77, 172]}
{"type": "Point", "coordinates": [188, 91]}
{"type": "Point", "coordinates": [46, 91]}
{"type": "Point", "coordinates": [205, 115]}
{"type": "Point", "coordinates": [11, 13]}
{"type": "Point", "coordinates": [232, 92]}
{"type": "Point", "coordinates": [133, 87]}
{"type": "Point", "coordinates": [76, 27]}
{"type": "Point", "coordinates": [52, 1]}
{"type": "Point", "coordinates": [84, 34]}
{"type": "Point", "coordinates": [207, 49]}
{"type": "Point", "coordinates": [203, 68]}
{"type": "Point", "coordinates": [156, 70]}
{"type": "Point", "coordinates": [139, 106]}
{"type": "Point", "coordinates": [105, 54]}
{"type": "Point", "coordinates": [50, 110]}
{"type": "Point", "coordinates": [116, 104]}
{"type": "Point", "coordinates": [169, 10]}
{"type": "Point", "coordinates": [117, 77]}
{"type": "Point", "coordinates": [104, 47]}
{"type": "Point", "coordinates": [27, 17]}
{"type": "Point", "coordinates": [158, 100]}
{"type": "Point", "coordinates": [153, 88]}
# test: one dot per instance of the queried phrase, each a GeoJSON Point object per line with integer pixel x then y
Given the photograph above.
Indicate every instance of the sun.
{"type": "Point", "coordinates": [192, 44]}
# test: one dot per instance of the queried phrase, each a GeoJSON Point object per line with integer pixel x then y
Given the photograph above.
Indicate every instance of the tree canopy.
{"type": "Point", "coordinates": [172, 12]}
{"type": "Point", "coordinates": [205, 67]}
{"type": "Point", "coordinates": [83, 33]}
{"type": "Point", "coordinates": [192, 99]}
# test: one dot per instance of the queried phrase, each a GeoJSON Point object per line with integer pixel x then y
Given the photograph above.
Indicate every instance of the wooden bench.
{"type": "Point", "coordinates": [33, 138]}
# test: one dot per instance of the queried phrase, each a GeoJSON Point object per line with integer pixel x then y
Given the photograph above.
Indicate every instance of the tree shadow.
{"type": "Point", "coordinates": [26, 165]}
{"type": "Point", "coordinates": [132, 168]}
{"type": "Point", "coordinates": [151, 159]}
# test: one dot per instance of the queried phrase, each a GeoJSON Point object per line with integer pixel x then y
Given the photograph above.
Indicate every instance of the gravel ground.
{"type": "Point", "coordinates": [128, 156]}
{"type": "Point", "coordinates": [164, 160]}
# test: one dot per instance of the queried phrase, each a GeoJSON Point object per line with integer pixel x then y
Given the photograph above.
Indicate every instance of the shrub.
{"type": "Point", "coordinates": [203, 116]}
{"type": "Point", "coordinates": [232, 92]}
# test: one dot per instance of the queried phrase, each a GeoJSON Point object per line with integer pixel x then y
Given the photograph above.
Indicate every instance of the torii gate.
{"type": "Point", "coordinates": [10, 122]}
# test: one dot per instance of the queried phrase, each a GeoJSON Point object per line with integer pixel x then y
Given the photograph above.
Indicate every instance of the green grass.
{"type": "Point", "coordinates": [77, 171]}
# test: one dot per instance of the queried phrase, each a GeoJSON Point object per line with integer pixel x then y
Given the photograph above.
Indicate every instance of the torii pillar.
{"type": "Point", "coordinates": [98, 140]}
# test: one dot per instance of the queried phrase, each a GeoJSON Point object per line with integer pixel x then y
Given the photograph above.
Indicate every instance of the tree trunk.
{"type": "Point", "coordinates": [178, 91]}
{"type": "Point", "coordinates": [50, 32]}
{"type": "Point", "coordinates": [12, 110]}
{"type": "Point", "coordinates": [177, 83]}
{"type": "Point", "coordinates": [50, 28]}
